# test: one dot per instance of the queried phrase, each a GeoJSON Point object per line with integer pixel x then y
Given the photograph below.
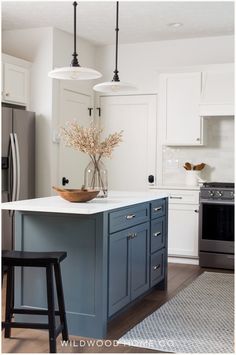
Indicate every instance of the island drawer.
{"type": "Point", "coordinates": [158, 208]}
{"type": "Point", "coordinates": [158, 234]}
{"type": "Point", "coordinates": [128, 217]}
{"type": "Point", "coordinates": [157, 267]}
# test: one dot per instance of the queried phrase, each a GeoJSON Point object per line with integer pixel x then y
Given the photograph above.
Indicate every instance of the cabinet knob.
{"type": "Point", "coordinates": [156, 234]}
{"type": "Point", "coordinates": [196, 211]}
{"type": "Point", "coordinates": [130, 216]}
{"type": "Point", "coordinates": [156, 267]}
{"type": "Point", "coordinates": [198, 139]}
{"type": "Point", "coordinates": [132, 235]}
{"type": "Point", "coordinates": [7, 94]}
{"type": "Point", "coordinates": [157, 209]}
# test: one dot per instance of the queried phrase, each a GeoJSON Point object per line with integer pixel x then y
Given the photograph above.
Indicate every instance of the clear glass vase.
{"type": "Point", "coordinates": [95, 177]}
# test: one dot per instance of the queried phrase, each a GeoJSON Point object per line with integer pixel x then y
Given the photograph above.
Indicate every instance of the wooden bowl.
{"type": "Point", "coordinates": [76, 195]}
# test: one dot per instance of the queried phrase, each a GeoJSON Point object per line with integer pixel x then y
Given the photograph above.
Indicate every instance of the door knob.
{"type": "Point", "coordinates": [64, 181]}
{"type": "Point", "coordinates": [151, 179]}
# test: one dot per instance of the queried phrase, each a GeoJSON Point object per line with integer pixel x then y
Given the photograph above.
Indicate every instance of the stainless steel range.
{"type": "Point", "coordinates": [216, 225]}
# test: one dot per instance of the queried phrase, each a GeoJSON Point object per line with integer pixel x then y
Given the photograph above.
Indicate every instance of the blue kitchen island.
{"type": "Point", "coordinates": [116, 253]}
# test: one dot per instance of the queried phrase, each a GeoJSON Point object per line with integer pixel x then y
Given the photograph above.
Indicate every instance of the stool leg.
{"type": "Point", "coordinates": [9, 301]}
{"type": "Point", "coordinates": [51, 310]}
{"type": "Point", "coordinates": [61, 302]}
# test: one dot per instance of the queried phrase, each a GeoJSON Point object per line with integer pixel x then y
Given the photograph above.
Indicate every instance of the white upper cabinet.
{"type": "Point", "coordinates": [179, 100]}
{"type": "Point", "coordinates": [15, 86]}
{"type": "Point", "coordinates": [217, 98]}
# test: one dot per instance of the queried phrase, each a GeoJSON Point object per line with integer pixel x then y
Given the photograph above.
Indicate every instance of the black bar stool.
{"type": "Point", "coordinates": [49, 260]}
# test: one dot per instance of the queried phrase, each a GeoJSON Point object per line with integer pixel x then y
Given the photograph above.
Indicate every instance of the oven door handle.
{"type": "Point", "coordinates": [216, 202]}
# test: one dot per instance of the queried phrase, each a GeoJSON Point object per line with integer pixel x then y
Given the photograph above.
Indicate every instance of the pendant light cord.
{"type": "Point", "coordinates": [75, 62]}
{"type": "Point", "coordinates": [116, 76]}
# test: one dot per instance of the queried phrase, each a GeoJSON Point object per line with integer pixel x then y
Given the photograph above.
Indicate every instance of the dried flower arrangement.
{"type": "Point", "coordinates": [88, 140]}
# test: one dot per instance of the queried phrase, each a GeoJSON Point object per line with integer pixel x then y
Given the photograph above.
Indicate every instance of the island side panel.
{"type": "Point", "coordinates": [84, 271]}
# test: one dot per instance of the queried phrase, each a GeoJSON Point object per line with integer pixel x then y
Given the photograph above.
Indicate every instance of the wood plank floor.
{"type": "Point", "coordinates": [36, 341]}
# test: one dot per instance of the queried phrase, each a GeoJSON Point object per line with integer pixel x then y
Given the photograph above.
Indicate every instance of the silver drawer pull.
{"type": "Point", "coordinates": [157, 209]}
{"type": "Point", "coordinates": [132, 235]}
{"type": "Point", "coordinates": [156, 267]}
{"type": "Point", "coordinates": [130, 216]}
{"type": "Point", "coordinates": [176, 197]}
{"type": "Point", "coordinates": [156, 234]}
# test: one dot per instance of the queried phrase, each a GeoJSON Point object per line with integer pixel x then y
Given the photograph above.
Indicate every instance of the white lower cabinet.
{"type": "Point", "coordinates": [183, 223]}
{"type": "Point", "coordinates": [183, 230]}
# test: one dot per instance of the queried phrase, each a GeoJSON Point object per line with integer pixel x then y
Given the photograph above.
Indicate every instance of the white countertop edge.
{"type": "Point", "coordinates": [56, 204]}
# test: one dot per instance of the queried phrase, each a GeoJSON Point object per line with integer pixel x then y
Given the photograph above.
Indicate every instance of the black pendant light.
{"type": "Point", "coordinates": [75, 71]}
{"type": "Point", "coordinates": [115, 85]}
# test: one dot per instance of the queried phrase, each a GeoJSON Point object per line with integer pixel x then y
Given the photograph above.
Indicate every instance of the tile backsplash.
{"type": "Point", "coordinates": [218, 154]}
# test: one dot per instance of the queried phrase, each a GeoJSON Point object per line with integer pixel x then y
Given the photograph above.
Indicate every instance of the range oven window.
{"type": "Point", "coordinates": [218, 222]}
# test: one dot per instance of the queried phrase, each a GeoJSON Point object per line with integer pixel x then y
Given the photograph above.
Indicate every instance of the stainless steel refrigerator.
{"type": "Point", "coordinates": [18, 164]}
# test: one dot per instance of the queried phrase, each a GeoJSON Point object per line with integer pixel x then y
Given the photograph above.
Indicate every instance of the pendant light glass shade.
{"type": "Point", "coordinates": [75, 71]}
{"type": "Point", "coordinates": [115, 86]}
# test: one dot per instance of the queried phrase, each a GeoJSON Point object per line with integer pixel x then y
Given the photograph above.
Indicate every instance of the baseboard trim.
{"type": "Point", "coordinates": [181, 260]}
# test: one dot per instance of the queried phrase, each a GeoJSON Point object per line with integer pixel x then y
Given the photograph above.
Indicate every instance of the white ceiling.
{"type": "Point", "coordinates": [140, 21]}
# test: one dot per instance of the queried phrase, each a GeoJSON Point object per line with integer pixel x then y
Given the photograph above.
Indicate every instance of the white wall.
{"type": "Point", "coordinates": [218, 154]}
{"type": "Point", "coordinates": [35, 45]}
{"type": "Point", "coordinates": [47, 48]}
{"type": "Point", "coordinates": [62, 56]}
{"type": "Point", "coordinates": [140, 63]}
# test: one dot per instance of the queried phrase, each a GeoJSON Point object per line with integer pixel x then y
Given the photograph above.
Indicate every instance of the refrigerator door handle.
{"type": "Point", "coordinates": [18, 167]}
{"type": "Point", "coordinates": [14, 169]}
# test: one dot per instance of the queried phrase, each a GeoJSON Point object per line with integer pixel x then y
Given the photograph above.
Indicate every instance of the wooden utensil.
{"type": "Point", "coordinates": [188, 166]}
{"type": "Point", "coordinates": [199, 167]}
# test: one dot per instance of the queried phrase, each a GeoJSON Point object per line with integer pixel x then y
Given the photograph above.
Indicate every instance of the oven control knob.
{"type": "Point", "coordinates": [232, 193]}
{"type": "Point", "coordinates": [219, 193]}
{"type": "Point", "coordinates": [211, 193]}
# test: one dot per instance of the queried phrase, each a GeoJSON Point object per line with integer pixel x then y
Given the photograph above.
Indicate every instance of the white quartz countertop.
{"type": "Point", "coordinates": [56, 204]}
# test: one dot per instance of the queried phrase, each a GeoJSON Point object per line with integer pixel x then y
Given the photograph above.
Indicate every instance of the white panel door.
{"type": "Point", "coordinates": [15, 84]}
{"type": "Point", "coordinates": [183, 230]}
{"type": "Point", "coordinates": [134, 159]}
{"type": "Point", "coordinates": [73, 106]}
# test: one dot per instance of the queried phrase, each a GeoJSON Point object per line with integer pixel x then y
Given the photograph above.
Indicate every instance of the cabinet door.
{"type": "Point", "coordinates": [119, 271]}
{"type": "Point", "coordinates": [183, 230]}
{"type": "Point", "coordinates": [128, 266]}
{"type": "Point", "coordinates": [217, 97]}
{"type": "Point", "coordinates": [15, 84]}
{"type": "Point", "coordinates": [218, 87]}
{"type": "Point", "coordinates": [182, 97]}
{"type": "Point", "coordinates": [139, 260]}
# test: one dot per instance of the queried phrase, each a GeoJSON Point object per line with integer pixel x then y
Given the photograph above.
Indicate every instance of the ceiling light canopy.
{"type": "Point", "coordinates": [75, 71]}
{"type": "Point", "coordinates": [115, 86]}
